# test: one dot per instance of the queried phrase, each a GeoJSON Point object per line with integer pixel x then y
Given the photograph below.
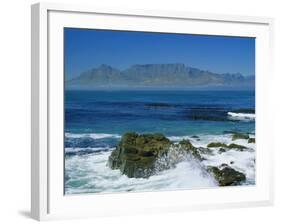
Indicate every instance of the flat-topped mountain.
{"type": "Point", "coordinates": [158, 76]}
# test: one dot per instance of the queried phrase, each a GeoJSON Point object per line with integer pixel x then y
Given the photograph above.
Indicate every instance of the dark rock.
{"type": "Point", "coordinates": [227, 176]}
{"type": "Point", "coordinates": [206, 151]}
{"type": "Point", "coordinates": [216, 145]}
{"type": "Point", "coordinates": [251, 140]}
{"type": "Point", "coordinates": [136, 154]}
{"type": "Point", "coordinates": [224, 147]}
{"type": "Point", "coordinates": [188, 147]}
{"type": "Point", "coordinates": [141, 156]}
{"type": "Point", "coordinates": [223, 165]}
{"type": "Point", "coordinates": [195, 136]}
{"type": "Point", "coordinates": [239, 136]}
{"type": "Point", "coordinates": [231, 162]}
{"type": "Point", "coordinates": [236, 146]}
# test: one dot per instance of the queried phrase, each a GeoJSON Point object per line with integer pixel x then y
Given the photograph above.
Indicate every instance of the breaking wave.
{"type": "Point", "coordinates": [241, 116]}
{"type": "Point", "coordinates": [91, 135]}
{"type": "Point", "coordinates": [87, 170]}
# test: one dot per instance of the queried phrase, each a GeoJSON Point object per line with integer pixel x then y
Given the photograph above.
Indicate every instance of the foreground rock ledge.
{"type": "Point", "coordinates": [136, 156]}
{"type": "Point", "coordinates": [226, 176]}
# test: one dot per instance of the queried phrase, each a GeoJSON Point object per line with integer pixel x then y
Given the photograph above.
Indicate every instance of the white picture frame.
{"type": "Point", "coordinates": [47, 197]}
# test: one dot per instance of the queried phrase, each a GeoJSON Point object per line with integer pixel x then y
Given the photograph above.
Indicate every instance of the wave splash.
{"type": "Point", "coordinates": [100, 178]}
{"type": "Point", "coordinates": [87, 171]}
{"type": "Point", "coordinates": [91, 135]}
{"type": "Point", "coordinates": [241, 116]}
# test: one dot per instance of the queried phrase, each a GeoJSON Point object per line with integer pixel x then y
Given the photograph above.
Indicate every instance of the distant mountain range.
{"type": "Point", "coordinates": [158, 76]}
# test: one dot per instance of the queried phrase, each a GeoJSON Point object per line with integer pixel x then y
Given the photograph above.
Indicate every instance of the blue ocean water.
{"type": "Point", "coordinates": [173, 113]}
{"type": "Point", "coordinates": [95, 121]}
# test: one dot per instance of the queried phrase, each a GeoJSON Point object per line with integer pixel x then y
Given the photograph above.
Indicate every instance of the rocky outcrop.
{"type": "Point", "coordinates": [189, 148]}
{"type": "Point", "coordinates": [143, 155]}
{"type": "Point", "coordinates": [223, 147]}
{"type": "Point", "coordinates": [136, 154]}
{"type": "Point", "coordinates": [226, 176]}
{"type": "Point", "coordinates": [216, 145]}
{"type": "Point", "coordinates": [236, 136]}
{"type": "Point", "coordinates": [251, 140]}
{"type": "Point", "coordinates": [236, 146]}
{"type": "Point", "coordinates": [139, 155]}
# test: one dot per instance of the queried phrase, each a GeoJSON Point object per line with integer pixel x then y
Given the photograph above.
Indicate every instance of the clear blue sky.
{"type": "Point", "coordinates": [85, 49]}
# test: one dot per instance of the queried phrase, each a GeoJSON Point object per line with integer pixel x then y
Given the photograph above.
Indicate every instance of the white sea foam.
{"type": "Point", "coordinates": [241, 116]}
{"type": "Point", "coordinates": [178, 138]}
{"type": "Point", "coordinates": [90, 174]}
{"type": "Point", "coordinates": [97, 177]}
{"type": "Point", "coordinates": [91, 135]}
{"type": "Point", "coordinates": [204, 139]}
{"type": "Point", "coordinates": [243, 161]}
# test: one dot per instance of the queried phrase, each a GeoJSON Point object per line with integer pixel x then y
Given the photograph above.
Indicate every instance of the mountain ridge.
{"type": "Point", "coordinates": [157, 75]}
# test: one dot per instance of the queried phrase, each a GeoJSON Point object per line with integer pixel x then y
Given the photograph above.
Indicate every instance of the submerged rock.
{"type": "Point", "coordinates": [159, 105]}
{"type": "Point", "coordinates": [226, 176]}
{"type": "Point", "coordinates": [236, 136]}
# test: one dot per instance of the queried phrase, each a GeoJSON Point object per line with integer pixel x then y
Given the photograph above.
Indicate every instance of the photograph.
{"type": "Point", "coordinates": [151, 111]}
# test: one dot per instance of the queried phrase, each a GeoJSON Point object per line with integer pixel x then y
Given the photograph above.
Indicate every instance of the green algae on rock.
{"type": "Point", "coordinates": [136, 154]}
{"type": "Point", "coordinates": [223, 147]}
{"type": "Point", "coordinates": [188, 147]}
{"type": "Point", "coordinates": [216, 145]}
{"type": "Point", "coordinates": [143, 155]}
{"type": "Point", "coordinates": [236, 146]}
{"type": "Point", "coordinates": [226, 176]}
{"type": "Point", "coordinates": [236, 136]}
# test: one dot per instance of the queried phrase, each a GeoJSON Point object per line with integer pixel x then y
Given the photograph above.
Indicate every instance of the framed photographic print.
{"type": "Point", "coordinates": [161, 111]}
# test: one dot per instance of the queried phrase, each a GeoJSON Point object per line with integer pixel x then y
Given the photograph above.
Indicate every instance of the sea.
{"type": "Point", "coordinates": [95, 121]}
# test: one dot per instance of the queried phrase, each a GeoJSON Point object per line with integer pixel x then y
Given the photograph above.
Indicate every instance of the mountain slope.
{"type": "Point", "coordinates": [157, 75]}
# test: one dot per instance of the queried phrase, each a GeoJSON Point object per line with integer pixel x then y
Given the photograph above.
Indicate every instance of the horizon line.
{"type": "Point", "coordinates": [176, 63]}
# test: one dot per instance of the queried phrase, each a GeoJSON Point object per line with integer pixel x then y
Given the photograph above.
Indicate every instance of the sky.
{"type": "Point", "coordinates": [85, 49]}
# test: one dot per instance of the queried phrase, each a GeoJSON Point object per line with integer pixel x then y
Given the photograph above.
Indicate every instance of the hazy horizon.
{"type": "Point", "coordinates": [98, 66]}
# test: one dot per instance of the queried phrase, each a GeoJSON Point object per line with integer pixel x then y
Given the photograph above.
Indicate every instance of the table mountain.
{"type": "Point", "coordinates": [157, 75]}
